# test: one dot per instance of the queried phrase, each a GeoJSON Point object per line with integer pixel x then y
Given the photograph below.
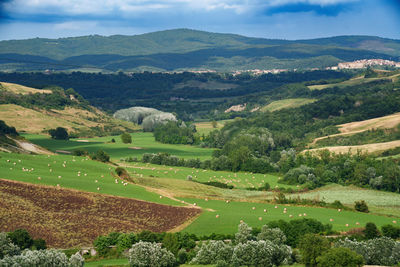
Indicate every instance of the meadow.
{"type": "Point", "coordinates": [141, 143]}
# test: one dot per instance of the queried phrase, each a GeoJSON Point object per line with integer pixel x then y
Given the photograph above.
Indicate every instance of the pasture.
{"type": "Point", "coordinates": [23, 90]}
{"type": "Point", "coordinates": [79, 173]}
{"type": "Point", "coordinates": [287, 103]}
{"type": "Point", "coordinates": [368, 148]}
{"type": "Point", "coordinates": [238, 180]}
{"type": "Point", "coordinates": [223, 217]}
{"type": "Point", "coordinates": [141, 143]}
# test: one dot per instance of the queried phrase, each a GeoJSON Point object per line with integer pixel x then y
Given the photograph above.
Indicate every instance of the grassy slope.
{"type": "Point", "coordinates": [69, 175]}
{"type": "Point", "coordinates": [206, 126]}
{"type": "Point", "coordinates": [287, 103]}
{"type": "Point", "coordinates": [36, 120]}
{"type": "Point", "coordinates": [144, 141]}
{"type": "Point", "coordinates": [20, 89]}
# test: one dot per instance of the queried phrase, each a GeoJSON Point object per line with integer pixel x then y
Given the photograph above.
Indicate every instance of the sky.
{"type": "Point", "coordinates": [275, 19]}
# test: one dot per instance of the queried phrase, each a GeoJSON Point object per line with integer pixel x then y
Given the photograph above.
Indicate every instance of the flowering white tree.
{"type": "Point", "coordinates": [150, 254]}
{"type": "Point", "coordinates": [378, 251]}
{"type": "Point", "coordinates": [244, 233]}
{"type": "Point", "coordinates": [213, 252]}
{"type": "Point", "coordinates": [7, 247]}
{"type": "Point", "coordinates": [275, 235]}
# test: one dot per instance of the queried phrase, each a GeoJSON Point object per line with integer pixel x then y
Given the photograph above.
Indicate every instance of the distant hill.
{"type": "Point", "coordinates": [184, 49]}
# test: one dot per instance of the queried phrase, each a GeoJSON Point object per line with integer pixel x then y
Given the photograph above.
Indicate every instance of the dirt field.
{"type": "Point", "coordinates": [69, 218]}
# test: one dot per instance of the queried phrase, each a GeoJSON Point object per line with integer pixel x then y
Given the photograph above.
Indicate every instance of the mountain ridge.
{"type": "Point", "coordinates": [183, 49]}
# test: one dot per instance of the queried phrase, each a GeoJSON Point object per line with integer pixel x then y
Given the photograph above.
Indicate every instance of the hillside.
{"type": "Point", "coordinates": [32, 110]}
{"type": "Point", "coordinates": [184, 49]}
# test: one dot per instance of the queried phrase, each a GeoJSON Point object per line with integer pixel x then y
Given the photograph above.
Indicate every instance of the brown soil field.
{"type": "Point", "coordinates": [68, 218]}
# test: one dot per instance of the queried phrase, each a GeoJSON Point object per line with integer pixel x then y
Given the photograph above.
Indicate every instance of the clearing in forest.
{"type": "Point", "coordinates": [287, 103]}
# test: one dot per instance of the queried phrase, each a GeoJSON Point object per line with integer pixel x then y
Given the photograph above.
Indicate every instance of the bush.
{"type": "Point", "coordinates": [170, 242]}
{"type": "Point", "coordinates": [371, 231]}
{"type": "Point", "coordinates": [126, 138]}
{"type": "Point", "coordinates": [361, 206]}
{"type": "Point", "coordinates": [79, 152]}
{"type": "Point", "coordinates": [121, 171]}
{"type": "Point", "coordinates": [101, 156]}
{"type": "Point", "coordinates": [390, 231]}
{"type": "Point", "coordinates": [59, 133]}
{"type": "Point", "coordinates": [21, 238]}
{"type": "Point", "coordinates": [150, 254]}
{"type": "Point", "coordinates": [340, 257]}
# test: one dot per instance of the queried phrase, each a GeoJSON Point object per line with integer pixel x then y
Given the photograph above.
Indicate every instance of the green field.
{"type": "Point", "coordinates": [230, 214]}
{"type": "Point", "coordinates": [206, 126]}
{"type": "Point", "coordinates": [141, 143]}
{"type": "Point", "coordinates": [287, 103]}
{"type": "Point", "coordinates": [90, 171]}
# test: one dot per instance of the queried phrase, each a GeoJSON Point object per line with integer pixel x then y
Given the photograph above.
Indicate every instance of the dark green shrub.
{"type": "Point", "coordinates": [361, 206]}
{"type": "Point", "coordinates": [59, 133]}
{"type": "Point", "coordinates": [371, 231]}
{"type": "Point", "coordinates": [21, 238]}
{"type": "Point", "coordinates": [340, 257]}
{"type": "Point", "coordinates": [126, 138]}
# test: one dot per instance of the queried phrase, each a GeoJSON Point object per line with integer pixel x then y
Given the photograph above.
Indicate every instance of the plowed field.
{"type": "Point", "coordinates": [67, 218]}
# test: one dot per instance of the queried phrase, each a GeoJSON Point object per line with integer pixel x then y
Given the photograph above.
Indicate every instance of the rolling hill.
{"type": "Point", "coordinates": [32, 110]}
{"type": "Point", "coordinates": [184, 49]}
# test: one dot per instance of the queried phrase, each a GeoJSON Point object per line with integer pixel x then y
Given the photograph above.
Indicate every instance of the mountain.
{"type": "Point", "coordinates": [184, 49]}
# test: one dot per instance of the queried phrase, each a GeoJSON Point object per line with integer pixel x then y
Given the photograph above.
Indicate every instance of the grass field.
{"type": "Point", "coordinates": [238, 180]}
{"type": "Point", "coordinates": [223, 217]}
{"type": "Point", "coordinates": [287, 103]}
{"type": "Point", "coordinates": [141, 143]}
{"type": "Point", "coordinates": [107, 262]}
{"type": "Point", "coordinates": [51, 172]}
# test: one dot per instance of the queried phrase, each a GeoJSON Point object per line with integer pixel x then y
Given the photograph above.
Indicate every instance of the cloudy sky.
{"type": "Point", "coordinates": [283, 19]}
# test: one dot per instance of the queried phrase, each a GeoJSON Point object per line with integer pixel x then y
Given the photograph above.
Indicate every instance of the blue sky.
{"type": "Point", "coordinates": [283, 19]}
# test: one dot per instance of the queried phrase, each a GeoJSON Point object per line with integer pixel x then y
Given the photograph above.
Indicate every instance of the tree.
{"type": "Point", "coordinates": [59, 133]}
{"type": "Point", "coordinates": [340, 257]}
{"type": "Point", "coordinates": [21, 238]}
{"type": "Point", "coordinates": [275, 235]}
{"type": "Point", "coordinates": [214, 124]}
{"type": "Point", "coordinates": [311, 247]}
{"type": "Point", "coordinates": [371, 231]}
{"type": "Point", "coordinates": [150, 254]}
{"type": "Point", "coordinates": [170, 242]}
{"type": "Point", "coordinates": [126, 138]}
{"type": "Point", "coordinates": [361, 206]}
{"type": "Point", "coordinates": [244, 233]}
{"type": "Point", "coordinates": [7, 247]}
